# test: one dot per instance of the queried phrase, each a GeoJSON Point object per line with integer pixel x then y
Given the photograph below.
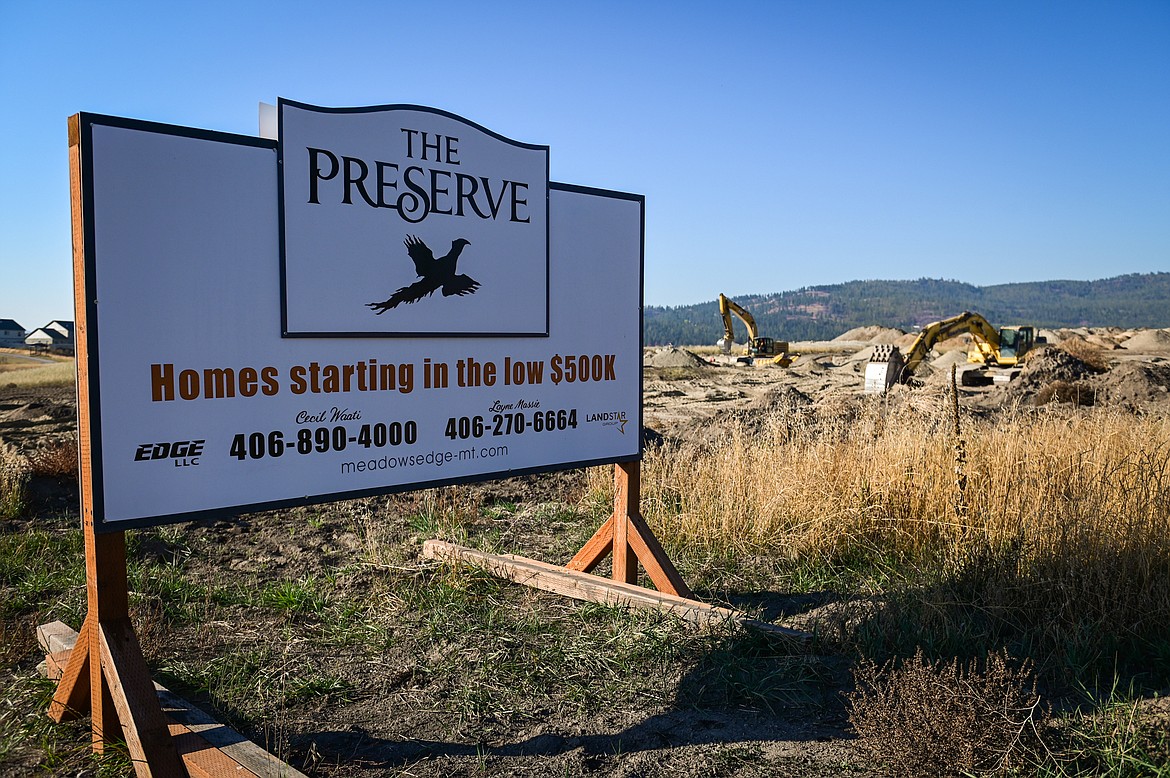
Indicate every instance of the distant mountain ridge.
{"type": "Point", "coordinates": [824, 312]}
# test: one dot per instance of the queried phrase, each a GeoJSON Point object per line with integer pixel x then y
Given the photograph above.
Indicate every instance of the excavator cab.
{"type": "Point", "coordinates": [1014, 343]}
{"type": "Point", "coordinates": [765, 347]}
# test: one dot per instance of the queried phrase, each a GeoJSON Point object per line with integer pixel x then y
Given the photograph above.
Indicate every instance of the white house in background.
{"type": "Point", "coordinates": [11, 334]}
{"type": "Point", "coordinates": [57, 335]}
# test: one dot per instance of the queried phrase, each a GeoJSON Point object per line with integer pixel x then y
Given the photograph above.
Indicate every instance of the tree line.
{"type": "Point", "coordinates": [824, 312]}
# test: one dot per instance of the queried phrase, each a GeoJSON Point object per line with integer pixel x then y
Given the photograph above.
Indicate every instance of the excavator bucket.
{"type": "Point", "coordinates": [884, 368]}
{"type": "Point", "coordinates": [784, 360]}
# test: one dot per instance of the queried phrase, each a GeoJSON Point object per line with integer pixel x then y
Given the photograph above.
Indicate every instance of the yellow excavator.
{"type": "Point", "coordinates": [757, 347]}
{"type": "Point", "coordinates": [999, 351]}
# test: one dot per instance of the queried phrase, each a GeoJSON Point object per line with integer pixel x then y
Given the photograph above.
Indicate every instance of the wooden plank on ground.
{"type": "Point", "coordinates": [592, 588]}
{"type": "Point", "coordinates": [223, 738]}
{"type": "Point", "coordinates": [56, 636]}
{"type": "Point", "coordinates": [208, 748]}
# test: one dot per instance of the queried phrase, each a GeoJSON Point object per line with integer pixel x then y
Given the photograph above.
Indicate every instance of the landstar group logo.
{"type": "Point", "coordinates": [354, 180]}
{"type": "Point", "coordinates": [616, 419]}
{"type": "Point", "coordinates": [435, 274]}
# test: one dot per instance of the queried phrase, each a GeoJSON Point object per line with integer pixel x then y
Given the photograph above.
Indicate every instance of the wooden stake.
{"type": "Point", "coordinates": [107, 665]}
{"type": "Point", "coordinates": [625, 502]}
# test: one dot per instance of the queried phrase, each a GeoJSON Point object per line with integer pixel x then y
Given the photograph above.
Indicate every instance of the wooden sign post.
{"type": "Point", "coordinates": [626, 535]}
{"type": "Point", "coordinates": [106, 675]}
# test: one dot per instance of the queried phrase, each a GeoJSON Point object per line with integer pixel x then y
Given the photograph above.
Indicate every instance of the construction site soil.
{"type": "Point", "coordinates": [390, 721]}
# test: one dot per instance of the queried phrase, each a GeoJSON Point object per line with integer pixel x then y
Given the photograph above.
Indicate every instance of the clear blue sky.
{"type": "Point", "coordinates": [778, 144]}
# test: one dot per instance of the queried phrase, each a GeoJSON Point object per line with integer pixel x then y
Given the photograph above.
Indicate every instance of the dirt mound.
{"type": "Point", "coordinates": [1048, 366]}
{"type": "Point", "coordinates": [863, 355]}
{"type": "Point", "coordinates": [1102, 341]}
{"type": "Point", "coordinates": [871, 334]}
{"type": "Point", "coordinates": [673, 357]}
{"type": "Point", "coordinates": [784, 398]}
{"type": "Point", "coordinates": [34, 411]}
{"type": "Point", "coordinates": [35, 419]}
{"type": "Point", "coordinates": [1101, 337]}
{"type": "Point", "coordinates": [1053, 364]}
{"type": "Point", "coordinates": [1148, 341]}
{"type": "Point", "coordinates": [1135, 383]}
{"type": "Point", "coordinates": [942, 365]}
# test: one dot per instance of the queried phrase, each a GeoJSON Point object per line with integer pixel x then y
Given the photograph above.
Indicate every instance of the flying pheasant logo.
{"type": "Point", "coordinates": [433, 274]}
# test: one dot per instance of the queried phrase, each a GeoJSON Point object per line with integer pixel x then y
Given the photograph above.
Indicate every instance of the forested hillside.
{"type": "Point", "coordinates": [824, 312]}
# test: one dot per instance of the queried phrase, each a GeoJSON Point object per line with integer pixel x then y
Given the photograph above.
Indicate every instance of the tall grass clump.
{"type": "Point", "coordinates": [1061, 552]}
{"type": "Point", "coordinates": [14, 478]}
{"type": "Point", "coordinates": [804, 486]}
{"type": "Point", "coordinates": [60, 374]}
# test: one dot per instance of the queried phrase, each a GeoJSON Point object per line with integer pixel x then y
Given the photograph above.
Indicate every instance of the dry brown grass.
{"type": "Point", "coordinates": [14, 477]}
{"type": "Point", "coordinates": [1062, 552]}
{"type": "Point", "coordinates": [22, 376]}
{"type": "Point", "coordinates": [1075, 392]}
{"type": "Point", "coordinates": [810, 485]}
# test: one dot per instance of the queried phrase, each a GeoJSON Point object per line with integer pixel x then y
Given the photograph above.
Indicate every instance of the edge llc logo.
{"type": "Point", "coordinates": [181, 453]}
{"type": "Point", "coordinates": [608, 419]}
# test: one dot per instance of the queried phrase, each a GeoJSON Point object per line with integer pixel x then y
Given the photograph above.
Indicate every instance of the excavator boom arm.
{"type": "Point", "coordinates": [727, 307]}
{"type": "Point", "coordinates": [932, 333]}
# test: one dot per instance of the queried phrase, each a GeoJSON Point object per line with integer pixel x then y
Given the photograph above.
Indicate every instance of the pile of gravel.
{"type": "Point", "coordinates": [1149, 341]}
{"type": "Point", "coordinates": [673, 357]}
{"type": "Point", "coordinates": [871, 334]}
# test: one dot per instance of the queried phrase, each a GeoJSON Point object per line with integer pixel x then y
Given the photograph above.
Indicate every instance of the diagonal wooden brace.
{"type": "Point", "coordinates": [71, 700]}
{"type": "Point", "coordinates": [626, 535]}
{"type": "Point", "coordinates": [148, 737]}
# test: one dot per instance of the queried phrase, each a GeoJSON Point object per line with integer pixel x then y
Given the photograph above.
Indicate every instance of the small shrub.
{"type": "Point", "coordinates": [56, 461]}
{"type": "Point", "coordinates": [948, 718]}
{"type": "Point", "coordinates": [1075, 392]}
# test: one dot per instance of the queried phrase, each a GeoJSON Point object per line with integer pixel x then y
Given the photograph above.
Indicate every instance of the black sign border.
{"type": "Point", "coordinates": [93, 390]}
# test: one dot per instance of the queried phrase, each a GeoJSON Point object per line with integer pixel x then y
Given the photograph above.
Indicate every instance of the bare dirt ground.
{"type": "Point", "coordinates": [682, 389]}
{"type": "Point", "coordinates": [398, 715]}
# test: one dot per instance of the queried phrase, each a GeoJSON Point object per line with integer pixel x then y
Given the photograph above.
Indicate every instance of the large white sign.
{"type": "Point", "coordinates": [406, 221]}
{"type": "Point", "coordinates": [199, 404]}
